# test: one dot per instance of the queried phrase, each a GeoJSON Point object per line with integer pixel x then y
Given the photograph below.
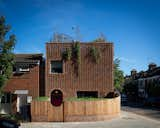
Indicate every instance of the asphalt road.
{"type": "Point", "coordinates": [126, 120]}
{"type": "Point", "coordinates": [150, 112]}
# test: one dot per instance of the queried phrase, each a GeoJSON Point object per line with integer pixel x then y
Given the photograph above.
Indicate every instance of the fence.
{"type": "Point", "coordinates": [76, 110]}
{"type": "Point", "coordinates": [91, 110]}
{"type": "Point", "coordinates": [43, 111]}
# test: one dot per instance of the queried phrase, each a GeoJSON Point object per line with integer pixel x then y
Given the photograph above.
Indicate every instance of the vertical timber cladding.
{"type": "Point", "coordinates": [92, 77]}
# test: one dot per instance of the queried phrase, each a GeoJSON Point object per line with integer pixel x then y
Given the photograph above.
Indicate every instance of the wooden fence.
{"type": "Point", "coordinates": [91, 110]}
{"type": "Point", "coordinates": [43, 111]}
{"type": "Point", "coordinates": [76, 110]}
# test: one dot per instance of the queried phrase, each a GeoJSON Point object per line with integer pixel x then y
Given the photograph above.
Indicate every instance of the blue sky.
{"type": "Point", "coordinates": [133, 25]}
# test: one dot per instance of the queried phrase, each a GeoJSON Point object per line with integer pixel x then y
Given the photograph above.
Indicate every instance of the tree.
{"type": "Point", "coordinates": [118, 75]}
{"type": "Point", "coordinates": [7, 43]}
{"type": "Point", "coordinates": [100, 38]}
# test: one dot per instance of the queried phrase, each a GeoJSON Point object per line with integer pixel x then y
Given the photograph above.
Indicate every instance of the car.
{"type": "Point", "coordinates": [152, 101]}
{"type": "Point", "coordinates": [124, 98]}
{"type": "Point", "coordinates": [8, 123]}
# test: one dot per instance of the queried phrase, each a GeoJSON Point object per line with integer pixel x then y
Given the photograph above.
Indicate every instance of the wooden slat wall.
{"type": "Point", "coordinates": [75, 110]}
{"type": "Point", "coordinates": [44, 111]}
{"type": "Point", "coordinates": [91, 110]}
{"type": "Point", "coordinates": [93, 77]}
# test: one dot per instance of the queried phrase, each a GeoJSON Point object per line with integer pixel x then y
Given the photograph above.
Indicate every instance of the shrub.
{"type": "Point", "coordinates": [112, 94]}
{"type": "Point", "coordinates": [43, 98]}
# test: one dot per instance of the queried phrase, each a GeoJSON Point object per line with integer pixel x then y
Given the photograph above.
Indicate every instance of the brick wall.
{"type": "Point", "coordinates": [27, 81]}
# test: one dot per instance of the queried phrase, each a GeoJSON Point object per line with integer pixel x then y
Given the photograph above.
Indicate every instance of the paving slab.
{"type": "Point", "coordinates": [126, 120]}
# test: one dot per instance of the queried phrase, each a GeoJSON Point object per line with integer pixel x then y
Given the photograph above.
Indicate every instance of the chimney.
{"type": "Point", "coordinates": [133, 72]}
{"type": "Point", "coordinates": [152, 66]}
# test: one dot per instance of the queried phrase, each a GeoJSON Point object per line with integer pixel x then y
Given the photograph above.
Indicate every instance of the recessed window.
{"type": "Point", "coordinates": [6, 97]}
{"type": "Point", "coordinates": [88, 94]}
{"type": "Point", "coordinates": [19, 69]}
{"type": "Point", "coordinates": [0, 70]}
{"type": "Point", "coordinates": [56, 67]}
{"type": "Point", "coordinates": [24, 69]}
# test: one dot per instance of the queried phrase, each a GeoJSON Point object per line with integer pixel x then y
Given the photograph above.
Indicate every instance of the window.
{"type": "Point", "coordinates": [56, 67]}
{"type": "Point", "coordinates": [0, 70]}
{"type": "Point", "coordinates": [6, 97]}
{"type": "Point", "coordinates": [89, 94]}
{"type": "Point", "coordinates": [24, 69]}
{"type": "Point", "coordinates": [14, 69]}
{"type": "Point", "coordinates": [1, 49]}
{"type": "Point", "coordinates": [18, 69]}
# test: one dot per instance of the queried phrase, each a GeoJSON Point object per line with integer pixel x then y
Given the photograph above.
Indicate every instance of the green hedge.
{"type": "Point", "coordinates": [42, 98]}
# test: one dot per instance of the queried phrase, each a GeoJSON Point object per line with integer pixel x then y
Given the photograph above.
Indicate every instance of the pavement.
{"type": "Point", "coordinates": [126, 120]}
{"type": "Point", "coordinates": [148, 111]}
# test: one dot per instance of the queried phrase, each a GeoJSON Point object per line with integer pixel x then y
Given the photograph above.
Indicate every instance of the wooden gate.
{"type": "Point", "coordinates": [44, 111]}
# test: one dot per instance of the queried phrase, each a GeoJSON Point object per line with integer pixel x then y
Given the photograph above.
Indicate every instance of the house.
{"type": "Point", "coordinates": [145, 81]}
{"type": "Point", "coordinates": [93, 80]}
{"type": "Point", "coordinates": [26, 83]}
{"type": "Point", "coordinates": [70, 69]}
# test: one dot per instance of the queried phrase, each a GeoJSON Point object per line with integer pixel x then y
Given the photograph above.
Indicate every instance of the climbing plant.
{"type": "Point", "coordinates": [74, 54]}
{"type": "Point", "coordinates": [67, 54]}
{"type": "Point", "coordinates": [94, 54]}
{"type": "Point", "coordinates": [76, 58]}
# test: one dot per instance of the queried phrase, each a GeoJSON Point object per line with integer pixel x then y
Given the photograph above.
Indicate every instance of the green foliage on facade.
{"type": "Point", "coordinates": [118, 75]}
{"type": "Point", "coordinates": [6, 52]}
{"type": "Point", "coordinates": [94, 54]}
{"type": "Point", "coordinates": [67, 54]}
{"type": "Point", "coordinates": [76, 57]}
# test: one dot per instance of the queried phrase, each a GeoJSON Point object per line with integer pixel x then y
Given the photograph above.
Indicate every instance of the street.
{"type": "Point", "coordinates": [126, 120]}
{"type": "Point", "coordinates": [150, 112]}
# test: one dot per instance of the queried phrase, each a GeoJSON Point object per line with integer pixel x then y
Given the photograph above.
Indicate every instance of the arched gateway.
{"type": "Point", "coordinates": [56, 97]}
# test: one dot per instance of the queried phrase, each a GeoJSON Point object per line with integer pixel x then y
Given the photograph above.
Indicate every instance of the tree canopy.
{"type": "Point", "coordinates": [118, 75]}
{"type": "Point", "coordinates": [7, 43]}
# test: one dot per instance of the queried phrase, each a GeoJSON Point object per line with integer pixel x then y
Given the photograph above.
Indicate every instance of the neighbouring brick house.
{"type": "Point", "coordinates": [26, 83]}
{"type": "Point", "coordinates": [144, 83]}
{"type": "Point", "coordinates": [94, 79]}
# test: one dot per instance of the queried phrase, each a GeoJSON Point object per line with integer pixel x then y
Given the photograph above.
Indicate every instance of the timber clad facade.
{"type": "Point", "coordinates": [93, 77]}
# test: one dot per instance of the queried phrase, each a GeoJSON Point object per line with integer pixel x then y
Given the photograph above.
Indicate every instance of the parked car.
{"type": "Point", "coordinates": [8, 123]}
{"type": "Point", "coordinates": [124, 98]}
{"type": "Point", "coordinates": [152, 101]}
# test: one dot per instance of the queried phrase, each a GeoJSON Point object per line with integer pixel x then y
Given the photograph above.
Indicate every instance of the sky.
{"type": "Point", "coordinates": [132, 25]}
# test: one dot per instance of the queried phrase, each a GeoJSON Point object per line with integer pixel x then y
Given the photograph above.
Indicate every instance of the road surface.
{"type": "Point", "coordinates": [126, 120]}
{"type": "Point", "coordinates": [150, 112]}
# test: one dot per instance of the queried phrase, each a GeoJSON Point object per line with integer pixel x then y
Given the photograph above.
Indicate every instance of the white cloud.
{"type": "Point", "coordinates": [124, 59]}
